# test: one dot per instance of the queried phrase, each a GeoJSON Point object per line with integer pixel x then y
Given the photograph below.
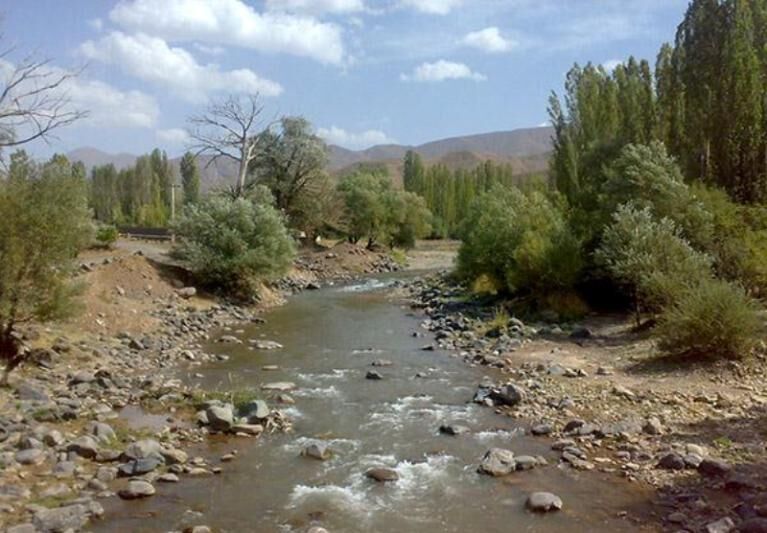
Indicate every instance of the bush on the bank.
{"type": "Point", "coordinates": [520, 241]}
{"type": "Point", "coordinates": [712, 319]}
{"type": "Point", "coordinates": [649, 258]}
{"type": "Point", "coordinates": [232, 244]}
{"type": "Point", "coordinates": [106, 235]}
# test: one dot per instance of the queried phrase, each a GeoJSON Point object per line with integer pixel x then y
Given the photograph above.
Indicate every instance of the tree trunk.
{"type": "Point", "coordinates": [10, 353]}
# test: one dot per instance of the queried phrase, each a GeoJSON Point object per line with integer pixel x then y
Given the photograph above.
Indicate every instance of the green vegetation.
{"type": "Point", "coordinates": [449, 194]}
{"type": "Point", "coordinates": [375, 211]}
{"type": "Point", "coordinates": [190, 178]}
{"type": "Point", "coordinates": [106, 235]}
{"type": "Point", "coordinates": [233, 244]}
{"type": "Point", "coordinates": [45, 223]}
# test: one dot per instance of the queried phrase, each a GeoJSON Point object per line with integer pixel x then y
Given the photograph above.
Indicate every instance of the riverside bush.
{"type": "Point", "coordinates": [713, 319]}
{"type": "Point", "coordinates": [519, 241]}
{"type": "Point", "coordinates": [232, 244]}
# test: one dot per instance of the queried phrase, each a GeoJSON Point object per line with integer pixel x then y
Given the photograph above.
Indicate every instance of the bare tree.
{"type": "Point", "coordinates": [229, 130]}
{"type": "Point", "coordinates": [34, 102]}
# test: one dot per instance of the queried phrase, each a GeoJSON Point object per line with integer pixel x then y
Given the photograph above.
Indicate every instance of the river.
{"type": "Point", "coordinates": [330, 339]}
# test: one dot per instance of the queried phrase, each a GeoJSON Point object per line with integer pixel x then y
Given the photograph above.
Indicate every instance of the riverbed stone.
{"type": "Point", "coordinates": [174, 456]}
{"type": "Point", "coordinates": [22, 528]}
{"type": "Point", "coordinates": [382, 475]}
{"type": "Point", "coordinates": [138, 467]}
{"type": "Point", "coordinates": [220, 417]}
{"type": "Point", "coordinates": [317, 450]}
{"type": "Point", "coordinates": [453, 429]}
{"type": "Point", "coordinates": [723, 525]}
{"type": "Point", "coordinates": [260, 344]}
{"type": "Point", "coordinates": [543, 502]}
{"type": "Point", "coordinates": [31, 456]}
{"type": "Point", "coordinates": [256, 410]}
{"type": "Point", "coordinates": [374, 375]}
{"type": "Point", "coordinates": [713, 467]}
{"type": "Point", "coordinates": [137, 489]}
{"type": "Point", "coordinates": [85, 447]}
{"type": "Point", "coordinates": [141, 449]}
{"type": "Point", "coordinates": [509, 394]}
{"type": "Point", "coordinates": [101, 431]}
{"type": "Point", "coordinates": [252, 430]}
{"type": "Point", "coordinates": [61, 519]}
{"type": "Point", "coordinates": [279, 386]}
{"type": "Point", "coordinates": [672, 461]}
{"type": "Point", "coordinates": [497, 462]}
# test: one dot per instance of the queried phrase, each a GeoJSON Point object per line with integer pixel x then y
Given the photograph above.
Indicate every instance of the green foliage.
{"type": "Point", "coordinates": [713, 319]}
{"type": "Point", "coordinates": [232, 244]}
{"type": "Point", "coordinates": [376, 211]}
{"type": "Point", "coordinates": [649, 257]}
{"type": "Point", "coordinates": [190, 178]}
{"type": "Point", "coordinates": [106, 235]}
{"type": "Point", "coordinates": [448, 194]}
{"type": "Point", "coordinates": [137, 195]}
{"type": "Point", "coordinates": [45, 222]}
{"type": "Point", "coordinates": [521, 240]}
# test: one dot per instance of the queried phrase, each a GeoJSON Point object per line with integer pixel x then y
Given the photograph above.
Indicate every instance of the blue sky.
{"type": "Point", "coordinates": [363, 71]}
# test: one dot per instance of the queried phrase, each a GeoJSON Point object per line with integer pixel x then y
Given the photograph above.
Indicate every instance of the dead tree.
{"type": "Point", "coordinates": [229, 130]}
{"type": "Point", "coordinates": [34, 102]}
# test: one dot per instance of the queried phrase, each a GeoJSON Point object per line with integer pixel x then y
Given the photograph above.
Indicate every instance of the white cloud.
{"type": "Point", "coordinates": [97, 24]}
{"type": "Point", "coordinates": [232, 22]}
{"type": "Point", "coordinates": [611, 64]}
{"type": "Point", "coordinates": [354, 141]}
{"type": "Point", "coordinates": [152, 60]}
{"type": "Point", "coordinates": [106, 105]}
{"type": "Point", "coordinates": [210, 50]}
{"type": "Point", "coordinates": [434, 7]}
{"type": "Point", "coordinates": [442, 70]}
{"type": "Point", "coordinates": [174, 136]}
{"type": "Point", "coordinates": [489, 40]}
{"type": "Point", "coordinates": [316, 6]}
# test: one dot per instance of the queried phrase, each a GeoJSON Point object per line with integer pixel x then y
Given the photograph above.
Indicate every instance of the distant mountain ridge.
{"type": "Point", "coordinates": [525, 149]}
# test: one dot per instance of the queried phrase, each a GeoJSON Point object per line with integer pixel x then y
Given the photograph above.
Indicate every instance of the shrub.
{"type": "Point", "coordinates": [520, 241]}
{"type": "Point", "coordinates": [106, 235]}
{"type": "Point", "coordinates": [649, 258]}
{"type": "Point", "coordinates": [232, 244]}
{"type": "Point", "coordinates": [45, 222]}
{"type": "Point", "coordinates": [713, 319]}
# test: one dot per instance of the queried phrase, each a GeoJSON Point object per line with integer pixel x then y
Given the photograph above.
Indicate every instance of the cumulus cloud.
{"type": "Point", "coordinates": [106, 105]}
{"type": "Point", "coordinates": [434, 7]}
{"type": "Point", "coordinates": [489, 40]}
{"type": "Point", "coordinates": [354, 141]}
{"type": "Point", "coordinates": [441, 71]}
{"type": "Point", "coordinates": [232, 22]}
{"type": "Point", "coordinates": [151, 59]}
{"type": "Point", "coordinates": [174, 136]}
{"type": "Point", "coordinates": [316, 6]}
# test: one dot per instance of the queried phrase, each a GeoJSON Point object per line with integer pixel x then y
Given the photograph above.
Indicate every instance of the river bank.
{"type": "Point", "coordinates": [99, 411]}
{"type": "Point", "coordinates": [694, 431]}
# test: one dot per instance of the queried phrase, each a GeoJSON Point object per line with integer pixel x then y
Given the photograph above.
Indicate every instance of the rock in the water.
{"type": "Point", "coordinates": [543, 502]}
{"type": "Point", "coordinates": [509, 394]}
{"type": "Point", "coordinates": [497, 462]}
{"type": "Point", "coordinates": [137, 489]}
{"type": "Point", "coordinates": [382, 362]}
{"type": "Point", "coordinates": [317, 450]}
{"type": "Point", "coordinates": [525, 462]}
{"type": "Point", "coordinates": [372, 374]}
{"type": "Point", "coordinates": [138, 467]}
{"type": "Point", "coordinates": [541, 429]}
{"type": "Point", "coordinates": [220, 417]}
{"type": "Point", "coordinates": [382, 474]}
{"type": "Point", "coordinates": [453, 429]}
{"type": "Point", "coordinates": [248, 429]}
{"type": "Point", "coordinates": [259, 344]}
{"type": "Point", "coordinates": [279, 386]}
{"type": "Point", "coordinates": [256, 410]}
{"type": "Point", "coordinates": [174, 456]}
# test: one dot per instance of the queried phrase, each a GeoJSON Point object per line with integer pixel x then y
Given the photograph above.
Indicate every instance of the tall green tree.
{"type": "Point", "coordinates": [190, 178]}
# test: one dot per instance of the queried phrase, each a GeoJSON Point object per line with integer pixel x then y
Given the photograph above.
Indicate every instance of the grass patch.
{"type": "Point", "coordinates": [399, 256]}
{"type": "Point", "coordinates": [237, 397]}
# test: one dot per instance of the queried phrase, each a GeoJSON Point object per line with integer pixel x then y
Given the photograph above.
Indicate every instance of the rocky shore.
{"type": "Point", "coordinates": [97, 412]}
{"type": "Point", "coordinates": [607, 403]}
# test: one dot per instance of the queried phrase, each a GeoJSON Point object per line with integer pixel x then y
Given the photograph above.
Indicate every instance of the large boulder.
{"type": "Point", "coordinates": [497, 462]}
{"type": "Point", "coordinates": [61, 519]}
{"type": "Point", "coordinates": [220, 417]}
{"type": "Point", "coordinates": [142, 449]}
{"type": "Point", "coordinates": [317, 450]}
{"type": "Point", "coordinates": [86, 447]}
{"type": "Point", "coordinates": [543, 502]}
{"type": "Point", "coordinates": [101, 431]}
{"type": "Point", "coordinates": [509, 394]}
{"type": "Point", "coordinates": [137, 489]}
{"type": "Point", "coordinates": [256, 410]}
{"type": "Point", "coordinates": [382, 475]}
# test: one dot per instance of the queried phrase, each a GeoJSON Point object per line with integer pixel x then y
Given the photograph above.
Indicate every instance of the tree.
{"type": "Point", "coordinates": [190, 178]}
{"type": "Point", "coordinates": [45, 223]}
{"type": "Point", "coordinates": [228, 130]}
{"type": "Point", "coordinates": [291, 163]}
{"type": "Point", "coordinates": [34, 102]}
{"type": "Point", "coordinates": [232, 244]}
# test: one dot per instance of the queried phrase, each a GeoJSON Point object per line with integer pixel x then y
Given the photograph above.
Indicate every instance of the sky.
{"type": "Point", "coordinates": [364, 72]}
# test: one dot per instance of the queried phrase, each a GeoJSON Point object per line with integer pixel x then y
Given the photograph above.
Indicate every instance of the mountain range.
{"type": "Point", "coordinates": [527, 150]}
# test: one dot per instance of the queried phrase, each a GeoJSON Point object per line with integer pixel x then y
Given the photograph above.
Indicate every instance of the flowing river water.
{"type": "Point", "coordinates": [330, 338]}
